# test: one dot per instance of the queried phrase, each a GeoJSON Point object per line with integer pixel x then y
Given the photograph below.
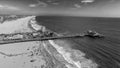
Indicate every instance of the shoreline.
{"type": "Point", "coordinates": [67, 53]}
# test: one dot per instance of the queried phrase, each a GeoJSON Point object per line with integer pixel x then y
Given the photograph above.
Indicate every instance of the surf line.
{"type": "Point", "coordinates": [35, 27]}
{"type": "Point", "coordinates": [65, 54]}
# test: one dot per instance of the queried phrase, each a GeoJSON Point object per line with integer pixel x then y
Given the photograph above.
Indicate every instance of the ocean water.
{"type": "Point", "coordinates": [104, 51]}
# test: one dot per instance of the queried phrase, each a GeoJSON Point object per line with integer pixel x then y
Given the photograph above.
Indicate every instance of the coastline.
{"type": "Point", "coordinates": [77, 60]}
{"type": "Point", "coordinates": [51, 53]}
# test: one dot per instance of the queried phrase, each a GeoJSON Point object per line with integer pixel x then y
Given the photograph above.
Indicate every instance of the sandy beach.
{"type": "Point", "coordinates": [39, 54]}
{"type": "Point", "coordinates": [19, 55]}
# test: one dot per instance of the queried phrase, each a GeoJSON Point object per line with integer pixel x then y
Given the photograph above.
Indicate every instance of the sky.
{"type": "Point", "coordinates": [99, 8]}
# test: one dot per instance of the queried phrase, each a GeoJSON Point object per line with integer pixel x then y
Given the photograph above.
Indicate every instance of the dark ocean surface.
{"type": "Point", "coordinates": [104, 51]}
